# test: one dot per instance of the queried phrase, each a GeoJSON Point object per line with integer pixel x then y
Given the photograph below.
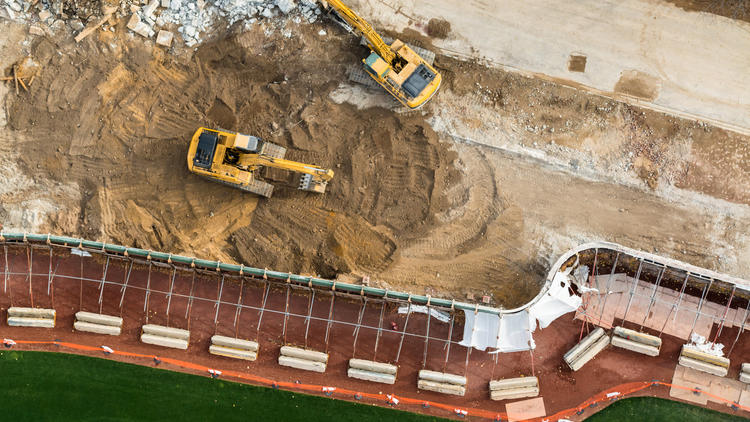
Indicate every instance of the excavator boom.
{"type": "Point", "coordinates": [363, 27]}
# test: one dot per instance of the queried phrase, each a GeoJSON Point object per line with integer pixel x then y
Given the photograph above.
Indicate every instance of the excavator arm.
{"type": "Point", "coordinates": [255, 160]}
{"type": "Point", "coordinates": [363, 27]}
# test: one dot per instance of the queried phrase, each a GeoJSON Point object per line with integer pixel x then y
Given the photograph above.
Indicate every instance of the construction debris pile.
{"type": "Point", "coordinates": [153, 19]}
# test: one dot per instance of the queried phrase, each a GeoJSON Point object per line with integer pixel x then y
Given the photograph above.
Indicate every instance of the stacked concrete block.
{"type": "Point", "coordinates": [636, 342]}
{"type": "Point", "coordinates": [165, 336]}
{"type": "Point", "coordinates": [98, 323]}
{"type": "Point", "coordinates": [694, 358]}
{"type": "Point", "coordinates": [745, 373]}
{"type": "Point", "coordinates": [372, 371]}
{"type": "Point", "coordinates": [31, 317]}
{"type": "Point", "coordinates": [307, 360]}
{"type": "Point", "coordinates": [514, 388]}
{"type": "Point", "coordinates": [442, 382]}
{"type": "Point", "coordinates": [584, 351]}
{"type": "Point", "coordinates": [233, 348]}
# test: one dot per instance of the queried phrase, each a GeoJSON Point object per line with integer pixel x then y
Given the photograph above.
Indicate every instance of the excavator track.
{"type": "Point", "coordinates": [257, 187]}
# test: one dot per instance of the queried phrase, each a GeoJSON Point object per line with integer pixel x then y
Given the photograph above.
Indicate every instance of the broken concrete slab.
{"type": "Point", "coordinates": [36, 30]}
{"type": "Point", "coordinates": [133, 22]}
{"type": "Point", "coordinates": [164, 38]}
{"type": "Point", "coordinates": [44, 15]}
{"type": "Point", "coordinates": [151, 8]}
{"type": "Point", "coordinates": [143, 30]}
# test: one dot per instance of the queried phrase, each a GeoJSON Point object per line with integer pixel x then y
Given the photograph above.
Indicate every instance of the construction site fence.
{"type": "Point", "coordinates": [241, 270]}
{"type": "Point", "coordinates": [610, 394]}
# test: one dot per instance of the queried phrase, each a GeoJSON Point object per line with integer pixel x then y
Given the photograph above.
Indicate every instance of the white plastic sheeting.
{"type": "Point", "coordinates": [556, 302]}
{"type": "Point", "coordinates": [440, 316]}
{"type": "Point", "coordinates": [512, 332]}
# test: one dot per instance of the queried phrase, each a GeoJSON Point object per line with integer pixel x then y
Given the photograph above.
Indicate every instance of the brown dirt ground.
{"type": "Point", "coordinates": [733, 9]}
{"type": "Point", "coordinates": [112, 116]}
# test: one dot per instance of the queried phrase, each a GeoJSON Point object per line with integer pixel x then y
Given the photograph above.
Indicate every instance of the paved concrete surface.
{"type": "Point", "coordinates": [645, 52]}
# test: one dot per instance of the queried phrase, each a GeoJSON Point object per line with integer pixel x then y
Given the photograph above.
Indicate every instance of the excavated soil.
{"type": "Point", "coordinates": [117, 117]}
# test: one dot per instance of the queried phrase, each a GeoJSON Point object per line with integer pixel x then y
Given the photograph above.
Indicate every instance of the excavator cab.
{"type": "Point", "coordinates": [237, 160]}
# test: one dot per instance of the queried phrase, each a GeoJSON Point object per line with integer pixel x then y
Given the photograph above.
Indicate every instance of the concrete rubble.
{"type": "Point", "coordinates": [190, 18]}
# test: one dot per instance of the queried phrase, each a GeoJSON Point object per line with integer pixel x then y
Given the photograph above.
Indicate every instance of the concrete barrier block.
{"type": "Point", "coordinates": [634, 346]}
{"type": "Point", "coordinates": [702, 366]}
{"type": "Point", "coordinates": [441, 387]}
{"type": "Point", "coordinates": [300, 353]}
{"type": "Point", "coordinates": [96, 328]}
{"type": "Point", "coordinates": [162, 331]}
{"type": "Point", "coordinates": [514, 393]}
{"type": "Point", "coordinates": [745, 368]}
{"type": "Point", "coordinates": [231, 352]}
{"type": "Point", "coordinates": [31, 322]}
{"type": "Point", "coordinates": [303, 364]}
{"type": "Point", "coordinates": [371, 376]}
{"type": "Point", "coordinates": [368, 365]}
{"type": "Point", "coordinates": [235, 343]}
{"type": "Point", "coordinates": [692, 353]}
{"type": "Point", "coordinates": [441, 377]}
{"type": "Point", "coordinates": [584, 344]}
{"type": "Point", "coordinates": [514, 383]}
{"type": "Point", "coordinates": [745, 377]}
{"type": "Point", "coordinates": [638, 337]}
{"type": "Point", "coordinates": [99, 319]}
{"type": "Point", "coordinates": [172, 342]}
{"type": "Point", "coordinates": [588, 354]}
{"type": "Point", "coordinates": [31, 313]}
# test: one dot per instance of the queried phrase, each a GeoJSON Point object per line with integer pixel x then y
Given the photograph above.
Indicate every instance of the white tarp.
{"type": "Point", "coordinates": [556, 302]}
{"type": "Point", "coordinates": [515, 332]}
{"type": "Point", "coordinates": [440, 316]}
{"type": "Point", "coordinates": [480, 330]}
{"type": "Point", "coordinates": [512, 332]}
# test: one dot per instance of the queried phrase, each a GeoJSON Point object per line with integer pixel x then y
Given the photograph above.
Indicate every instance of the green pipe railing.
{"type": "Point", "coordinates": [65, 241]}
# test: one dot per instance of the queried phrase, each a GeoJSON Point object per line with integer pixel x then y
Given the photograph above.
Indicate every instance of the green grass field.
{"type": "Point", "coordinates": [57, 386]}
{"type": "Point", "coordinates": [656, 409]}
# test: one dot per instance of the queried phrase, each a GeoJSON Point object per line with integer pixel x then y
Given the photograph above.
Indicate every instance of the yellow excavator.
{"type": "Point", "coordinates": [396, 67]}
{"type": "Point", "coordinates": [236, 159]}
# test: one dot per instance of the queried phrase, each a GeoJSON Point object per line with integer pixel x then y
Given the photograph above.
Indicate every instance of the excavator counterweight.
{"type": "Point", "coordinates": [236, 159]}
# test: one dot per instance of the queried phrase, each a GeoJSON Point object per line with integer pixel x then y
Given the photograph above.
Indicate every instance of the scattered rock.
{"type": "Point", "coordinates": [35, 30]}
{"type": "Point", "coordinates": [133, 22]}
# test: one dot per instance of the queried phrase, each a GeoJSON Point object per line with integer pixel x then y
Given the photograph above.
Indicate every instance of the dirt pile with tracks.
{"type": "Point", "coordinates": [118, 117]}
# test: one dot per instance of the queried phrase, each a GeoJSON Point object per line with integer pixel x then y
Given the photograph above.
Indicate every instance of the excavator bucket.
{"type": "Point", "coordinates": [306, 182]}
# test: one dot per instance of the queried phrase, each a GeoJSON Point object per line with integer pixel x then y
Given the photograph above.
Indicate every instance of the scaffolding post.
{"type": "Point", "coordinates": [125, 286]}
{"type": "Point", "coordinates": [403, 333]}
{"type": "Point", "coordinates": [190, 298]}
{"type": "Point", "coordinates": [171, 286]}
{"type": "Point", "coordinates": [724, 317]}
{"type": "Point", "coordinates": [700, 307]}
{"type": "Point", "coordinates": [330, 318]}
{"type": "Point", "coordinates": [218, 300]}
{"type": "Point", "coordinates": [286, 309]}
{"type": "Point", "coordinates": [653, 296]}
{"type": "Point", "coordinates": [357, 327]}
{"type": "Point", "coordinates": [101, 284]}
{"type": "Point", "coordinates": [675, 305]}
{"type": "Point", "coordinates": [632, 291]}
{"type": "Point", "coordinates": [266, 290]}
{"type": "Point", "coordinates": [448, 341]}
{"type": "Point", "coordinates": [49, 273]}
{"type": "Point", "coordinates": [30, 260]}
{"type": "Point", "coordinates": [380, 329]}
{"type": "Point", "coordinates": [742, 328]}
{"type": "Point", "coordinates": [427, 336]}
{"type": "Point", "coordinates": [148, 292]}
{"type": "Point", "coordinates": [5, 276]}
{"type": "Point", "coordinates": [239, 302]}
{"type": "Point", "coordinates": [309, 314]}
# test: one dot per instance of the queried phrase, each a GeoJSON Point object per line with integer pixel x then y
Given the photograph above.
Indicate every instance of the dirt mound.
{"type": "Point", "coordinates": [438, 28]}
{"type": "Point", "coordinates": [115, 118]}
